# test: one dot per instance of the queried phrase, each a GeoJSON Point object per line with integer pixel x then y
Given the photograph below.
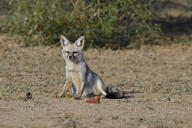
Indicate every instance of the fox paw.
{"type": "Point", "coordinates": [61, 94]}
{"type": "Point", "coordinates": [77, 97]}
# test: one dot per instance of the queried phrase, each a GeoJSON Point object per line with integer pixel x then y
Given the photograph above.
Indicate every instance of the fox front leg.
{"type": "Point", "coordinates": [80, 91]}
{"type": "Point", "coordinates": [66, 86]}
{"type": "Point", "coordinates": [81, 83]}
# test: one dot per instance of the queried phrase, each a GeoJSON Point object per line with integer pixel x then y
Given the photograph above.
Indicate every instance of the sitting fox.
{"type": "Point", "coordinates": [79, 76]}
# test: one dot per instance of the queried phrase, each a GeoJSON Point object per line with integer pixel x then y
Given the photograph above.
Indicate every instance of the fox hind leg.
{"type": "Point", "coordinates": [100, 87]}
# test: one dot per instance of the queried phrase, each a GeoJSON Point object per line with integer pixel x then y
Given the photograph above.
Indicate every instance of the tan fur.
{"type": "Point", "coordinates": [78, 75]}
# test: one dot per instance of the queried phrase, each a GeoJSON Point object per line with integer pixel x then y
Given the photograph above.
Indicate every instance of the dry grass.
{"type": "Point", "coordinates": [162, 74]}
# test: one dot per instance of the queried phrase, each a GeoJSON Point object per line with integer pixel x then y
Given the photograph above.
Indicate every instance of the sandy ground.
{"type": "Point", "coordinates": [158, 79]}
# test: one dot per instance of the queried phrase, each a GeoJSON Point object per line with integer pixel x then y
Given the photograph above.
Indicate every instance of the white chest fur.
{"type": "Point", "coordinates": [75, 72]}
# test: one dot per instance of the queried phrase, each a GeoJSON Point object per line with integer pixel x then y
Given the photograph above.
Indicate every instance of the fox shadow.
{"type": "Point", "coordinates": [130, 94]}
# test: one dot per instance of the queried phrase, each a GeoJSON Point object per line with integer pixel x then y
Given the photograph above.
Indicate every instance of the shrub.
{"type": "Point", "coordinates": [114, 23]}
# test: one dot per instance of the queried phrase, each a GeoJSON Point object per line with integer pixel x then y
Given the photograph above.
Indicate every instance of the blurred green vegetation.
{"type": "Point", "coordinates": [175, 20]}
{"type": "Point", "coordinates": [112, 24]}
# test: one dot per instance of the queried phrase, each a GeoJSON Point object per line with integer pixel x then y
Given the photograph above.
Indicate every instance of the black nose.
{"type": "Point", "coordinates": [70, 57]}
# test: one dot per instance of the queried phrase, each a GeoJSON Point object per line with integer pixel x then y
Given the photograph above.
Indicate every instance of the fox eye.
{"type": "Point", "coordinates": [75, 53]}
{"type": "Point", "coordinates": [67, 52]}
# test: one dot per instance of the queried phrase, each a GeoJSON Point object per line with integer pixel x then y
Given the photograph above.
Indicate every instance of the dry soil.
{"type": "Point", "coordinates": [158, 81]}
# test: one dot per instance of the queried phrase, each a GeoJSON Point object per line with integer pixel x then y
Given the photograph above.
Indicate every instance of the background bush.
{"type": "Point", "coordinates": [114, 23]}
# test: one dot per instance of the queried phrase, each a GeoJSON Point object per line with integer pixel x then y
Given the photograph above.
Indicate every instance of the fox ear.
{"type": "Point", "coordinates": [64, 41]}
{"type": "Point", "coordinates": [80, 41]}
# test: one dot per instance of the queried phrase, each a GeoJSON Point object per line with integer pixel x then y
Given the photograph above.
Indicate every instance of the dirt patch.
{"type": "Point", "coordinates": [158, 81]}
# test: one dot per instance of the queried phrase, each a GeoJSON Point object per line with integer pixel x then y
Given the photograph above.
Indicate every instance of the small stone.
{"type": "Point", "coordinates": [66, 115]}
{"type": "Point", "coordinates": [173, 100]}
{"type": "Point", "coordinates": [66, 123]}
{"type": "Point", "coordinates": [98, 120]}
{"type": "Point", "coordinates": [115, 117]}
{"type": "Point", "coordinates": [143, 126]}
{"type": "Point", "coordinates": [52, 124]}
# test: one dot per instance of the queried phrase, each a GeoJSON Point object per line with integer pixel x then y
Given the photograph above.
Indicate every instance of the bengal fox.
{"type": "Point", "coordinates": [79, 76]}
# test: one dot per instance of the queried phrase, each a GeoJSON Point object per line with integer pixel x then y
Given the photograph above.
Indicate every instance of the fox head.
{"type": "Point", "coordinates": [72, 51]}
